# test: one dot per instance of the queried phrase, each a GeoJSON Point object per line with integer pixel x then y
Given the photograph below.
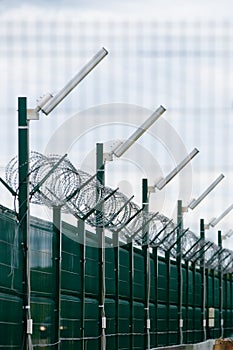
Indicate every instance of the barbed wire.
{"type": "Point", "coordinates": [54, 181]}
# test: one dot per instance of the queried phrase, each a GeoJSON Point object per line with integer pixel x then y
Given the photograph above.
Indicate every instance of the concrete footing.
{"type": "Point", "coordinates": [207, 345]}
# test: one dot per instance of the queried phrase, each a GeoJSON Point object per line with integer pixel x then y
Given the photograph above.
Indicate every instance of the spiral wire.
{"type": "Point", "coordinates": [54, 181]}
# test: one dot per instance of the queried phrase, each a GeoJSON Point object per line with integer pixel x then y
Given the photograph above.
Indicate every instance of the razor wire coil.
{"type": "Point", "coordinates": [56, 182]}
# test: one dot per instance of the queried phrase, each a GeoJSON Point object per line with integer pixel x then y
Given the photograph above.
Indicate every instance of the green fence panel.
{"type": "Point", "coordinates": [210, 291]}
{"type": "Point", "coordinates": [10, 254]}
{"type": "Point", "coordinates": [124, 284]}
{"type": "Point", "coordinates": [162, 281]}
{"type": "Point", "coordinates": [11, 308]}
{"type": "Point", "coordinates": [216, 292]}
{"type": "Point", "coordinates": [92, 271]}
{"type": "Point", "coordinates": [80, 298]}
{"type": "Point", "coordinates": [124, 325]}
{"type": "Point", "coordinates": [190, 288]}
{"type": "Point", "coordinates": [91, 323]}
{"type": "Point", "coordinates": [109, 272]}
{"type": "Point", "coordinates": [173, 325]}
{"type": "Point", "coordinates": [139, 277]}
{"type": "Point", "coordinates": [70, 325]}
{"type": "Point", "coordinates": [71, 265]}
{"type": "Point", "coordinates": [198, 289]}
{"type": "Point", "coordinates": [42, 310]}
{"type": "Point", "coordinates": [153, 325]}
{"type": "Point", "coordinates": [152, 280]}
{"type": "Point", "coordinates": [138, 320]}
{"type": "Point", "coordinates": [189, 325]}
{"type": "Point", "coordinates": [110, 312]}
{"type": "Point", "coordinates": [173, 284]}
{"type": "Point", "coordinates": [184, 286]}
{"type": "Point", "coordinates": [162, 325]}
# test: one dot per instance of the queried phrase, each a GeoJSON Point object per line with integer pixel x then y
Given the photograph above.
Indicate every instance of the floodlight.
{"type": "Point", "coordinates": [228, 234]}
{"type": "Point", "coordinates": [55, 100]}
{"type": "Point", "coordinates": [215, 221]}
{"type": "Point", "coordinates": [175, 171]}
{"type": "Point", "coordinates": [122, 148]}
{"type": "Point", "coordinates": [195, 202]}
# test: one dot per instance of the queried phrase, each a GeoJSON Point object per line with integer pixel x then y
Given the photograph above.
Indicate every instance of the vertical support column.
{"type": "Point", "coordinates": [203, 280]}
{"type": "Point", "coordinates": [187, 303]}
{"type": "Point", "coordinates": [23, 156]}
{"type": "Point", "coordinates": [146, 254]}
{"type": "Point", "coordinates": [167, 262]}
{"type": "Point", "coordinates": [131, 272]}
{"type": "Point", "coordinates": [220, 276]}
{"type": "Point", "coordinates": [82, 235]}
{"type": "Point", "coordinates": [211, 327]}
{"type": "Point", "coordinates": [179, 268]}
{"type": "Point", "coordinates": [116, 266]}
{"type": "Point", "coordinates": [57, 232]}
{"type": "Point", "coordinates": [155, 255]}
{"type": "Point", "coordinates": [101, 240]}
{"type": "Point", "coordinates": [231, 294]}
{"type": "Point", "coordinates": [194, 301]}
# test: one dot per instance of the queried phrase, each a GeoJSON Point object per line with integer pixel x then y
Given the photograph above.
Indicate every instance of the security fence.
{"type": "Point", "coordinates": [169, 288]}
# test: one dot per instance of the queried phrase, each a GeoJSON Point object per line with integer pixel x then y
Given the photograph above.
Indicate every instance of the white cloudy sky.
{"type": "Point", "coordinates": [184, 63]}
{"type": "Point", "coordinates": [130, 9]}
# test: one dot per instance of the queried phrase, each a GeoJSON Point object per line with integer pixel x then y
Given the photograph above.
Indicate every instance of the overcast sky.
{"type": "Point", "coordinates": [187, 58]}
{"type": "Point", "coordinates": [130, 9]}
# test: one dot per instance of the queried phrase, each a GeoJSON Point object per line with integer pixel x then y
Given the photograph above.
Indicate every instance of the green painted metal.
{"type": "Point", "coordinates": [179, 269]}
{"type": "Point", "coordinates": [117, 276]}
{"type": "Point", "coordinates": [23, 215]}
{"type": "Point", "coordinates": [82, 237]}
{"type": "Point", "coordinates": [57, 252]}
{"type": "Point", "coordinates": [167, 300]}
{"type": "Point", "coordinates": [101, 241]}
{"type": "Point", "coordinates": [79, 293]}
{"type": "Point", "coordinates": [155, 330]}
{"type": "Point", "coordinates": [147, 276]}
{"type": "Point", "coordinates": [220, 276]}
{"type": "Point", "coordinates": [131, 293]}
{"type": "Point", "coordinates": [204, 285]}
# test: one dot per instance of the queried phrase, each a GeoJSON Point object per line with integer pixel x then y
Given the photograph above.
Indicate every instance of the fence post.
{"type": "Point", "coordinates": [101, 239]}
{"type": "Point", "coordinates": [203, 280]}
{"type": "Point", "coordinates": [117, 276]}
{"type": "Point", "coordinates": [155, 256]}
{"type": "Point", "coordinates": [167, 262]}
{"type": "Point", "coordinates": [179, 268]}
{"type": "Point", "coordinates": [24, 225]}
{"type": "Point", "coordinates": [82, 240]}
{"type": "Point", "coordinates": [57, 232]}
{"type": "Point", "coordinates": [220, 276]}
{"type": "Point", "coordinates": [131, 276]}
{"type": "Point", "coordinates": [146, 255]}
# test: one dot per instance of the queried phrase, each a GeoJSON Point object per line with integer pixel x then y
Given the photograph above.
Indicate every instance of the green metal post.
{"type": "Point", "coordinates": [220, 276]}
{"type": "Point", "coordinates": [146, 253]}
{"type": "Point", "coordinates": [203, 280]}
{"type": "Point", "coordinates": [130, 248]}
{"type": "Point", "coordinates": [57, 242]}
{"type": "Point", "coordinates": [155, 255]}
{"type": "Point", "coordinates": [116, 266]}
{"type": "Point", "coordinates": [23, 156]}
{"type": "Point", "coordinates": [179, 268]}
{"type": "Point", "coordinates": [131, 276]}
{"type": "Point", "coordinates": [210, 333]}
{"type": "Point", "coordinates": [194, 300]}
{"type": "Point", "coordinates": [82, 239]}
{"type": "Point", "coordinates": [231, 295]}
{"type": "Point", "coordinates": [167, 262]}
{"type": "Point", "coordinates": [187, 301]}
{"type": "Point", "coordinates": [101, 239]}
